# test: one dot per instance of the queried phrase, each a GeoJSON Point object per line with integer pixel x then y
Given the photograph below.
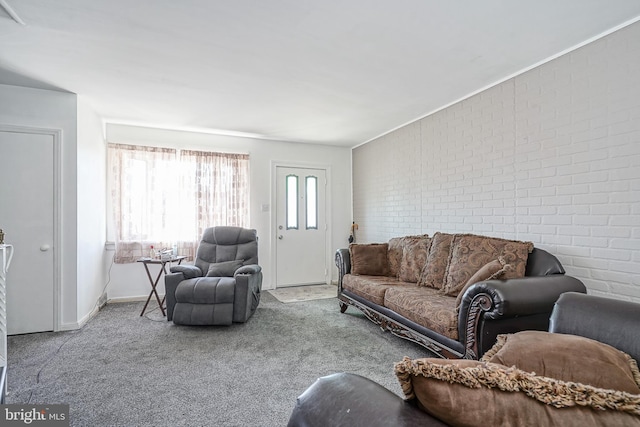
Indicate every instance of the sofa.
{"type": "Point", "coordinates": [452, 293]}
{"type": "Point", "coordinates": [587, 375]}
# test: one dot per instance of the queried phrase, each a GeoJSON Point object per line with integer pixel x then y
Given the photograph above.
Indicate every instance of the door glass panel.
{"type": "Point", "coordinates": [311, 189]}
{"type": "Point", "coordinates": [292, 202]}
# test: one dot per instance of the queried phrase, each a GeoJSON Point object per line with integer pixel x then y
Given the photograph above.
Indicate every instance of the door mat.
{"type": "Point", "coordinates": [304, 293]}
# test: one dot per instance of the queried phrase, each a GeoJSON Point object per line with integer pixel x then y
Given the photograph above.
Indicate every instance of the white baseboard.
{"type": "Point", "coordinates": [132, 299]}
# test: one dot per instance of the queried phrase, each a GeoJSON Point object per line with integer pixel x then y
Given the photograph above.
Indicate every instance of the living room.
{"type": "Point", "coordinates": [547, 152]}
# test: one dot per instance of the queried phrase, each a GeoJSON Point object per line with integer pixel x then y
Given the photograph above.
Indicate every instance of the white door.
{"type": "Point", "coordinates": [27, 218]}
{"type": "Point", "coordinates": [301, 228]}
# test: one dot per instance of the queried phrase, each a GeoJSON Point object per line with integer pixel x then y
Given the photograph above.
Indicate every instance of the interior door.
{"type": "Point", "coordinates": [301, 230]}
{"type": "Point", "coordinates": [27, 218]}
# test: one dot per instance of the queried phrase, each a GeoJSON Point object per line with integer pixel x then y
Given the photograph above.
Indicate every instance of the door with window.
{"type": "Point", "coordinates": [301, 227]}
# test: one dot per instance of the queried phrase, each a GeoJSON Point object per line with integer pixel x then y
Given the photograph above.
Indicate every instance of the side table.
{"type": "Point", "coordinates": [154, 283]}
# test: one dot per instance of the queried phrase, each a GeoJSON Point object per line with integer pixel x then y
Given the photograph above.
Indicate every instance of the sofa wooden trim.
{"type": "Point", "coordinates": [488, 308]}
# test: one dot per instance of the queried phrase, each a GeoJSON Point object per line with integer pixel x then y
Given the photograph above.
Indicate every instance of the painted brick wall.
{"type": "Point", "coordinates": [551, 156]}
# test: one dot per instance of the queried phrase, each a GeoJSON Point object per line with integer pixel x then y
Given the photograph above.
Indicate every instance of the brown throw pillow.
{"type": "Point", "coordinates": [369, 259]}
{"type": "Point", "coordinates": [469, 393]}
{"type": "Point", "coordinates": [492, 270]}
{"type": "Point", "coordinates": [224, 269]}
{"type": "Point", "coordinates": [434, 271]}
{"type": "Point", "coordinates": [470, 252]}
{"type": "Point", "coordinates": [414, 258]}
{"type": "Point", "coordinates": [567, 358]}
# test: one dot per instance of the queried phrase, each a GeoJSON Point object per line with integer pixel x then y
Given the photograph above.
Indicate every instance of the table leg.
{"type": "Point", "coordinates": [153, 289]}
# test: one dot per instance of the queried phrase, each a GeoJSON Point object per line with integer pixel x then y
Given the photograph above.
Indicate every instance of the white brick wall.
{"type": "Point", "coordinates": [551, 156]}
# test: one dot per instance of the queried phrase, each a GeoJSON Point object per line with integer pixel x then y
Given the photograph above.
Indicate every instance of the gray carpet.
{"type": "Point", "coordinates": [125, 370]}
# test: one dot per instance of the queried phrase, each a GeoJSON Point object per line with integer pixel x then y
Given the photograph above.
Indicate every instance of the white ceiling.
{"type": "Point", "coordinates": [337, 72]}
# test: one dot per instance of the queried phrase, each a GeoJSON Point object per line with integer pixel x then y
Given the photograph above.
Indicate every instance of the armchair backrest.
{"type": "Point", "coordinates": [221, 244]}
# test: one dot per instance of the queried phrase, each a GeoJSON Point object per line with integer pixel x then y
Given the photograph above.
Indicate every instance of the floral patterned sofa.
{"type": "Point", "coordinates": [452, 293]}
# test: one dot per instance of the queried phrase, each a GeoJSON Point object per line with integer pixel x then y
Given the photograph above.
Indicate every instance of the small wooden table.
{"type": "Point", "coordinates": [162, 262]}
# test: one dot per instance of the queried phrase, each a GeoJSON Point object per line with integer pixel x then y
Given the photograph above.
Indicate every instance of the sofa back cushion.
{"type": "Point", "coordinates": [394, 255]}
{"type": "Point", "coordinates": [369, 259]}
{"type": "Point", "coordinates": [470, 252]}
{"type": "Point", "coordinates": [414, 257]}
{"type": "Point", "coordinates": [435, 268]}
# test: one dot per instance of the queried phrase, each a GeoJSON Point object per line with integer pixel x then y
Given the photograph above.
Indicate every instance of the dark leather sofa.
{"type": "Point", "coordinates": [345, 399]}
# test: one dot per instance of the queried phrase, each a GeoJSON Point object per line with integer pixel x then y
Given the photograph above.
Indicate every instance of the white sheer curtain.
{"type": "Point", "coordinates": [162, 197]}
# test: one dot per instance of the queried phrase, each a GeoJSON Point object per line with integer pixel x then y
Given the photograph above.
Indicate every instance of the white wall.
{"type": "Point", "coordinates": [22, 106]}
{"type": "Point", "coordinates": [92, 195]}
{"type": "Point", "coordinates": [129, 280]}
{"type": "Point", "coordinates": [551, 156]}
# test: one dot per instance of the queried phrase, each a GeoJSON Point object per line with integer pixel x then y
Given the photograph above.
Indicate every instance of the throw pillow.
{"type": "Point", "coordinates": [414, 258]}
{"type": "Point", "coordinates": [492, 270]}
{"type": "Point", "coordinates": [470, 252]}
{"type": "Point", "coordinates": [369, 259]}
{"type": "Point", "coordinates": [224, 269]}
{"type": "Point", "coordinates": [435, 268]}
{"type": "Point", "coordinates": [567, 358]}
{"type": "Point", "coordinates": [394, 255]}
{"type": "Point", "coordinates": [470, 392]}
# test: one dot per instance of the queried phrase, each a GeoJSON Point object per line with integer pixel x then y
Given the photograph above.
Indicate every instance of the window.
{"type": "Point", "coordinates": [311, 189]}
{"type": "Point", "coordinates": [292, 202]}
{"type": "Point", "coordinates": [163, 196]}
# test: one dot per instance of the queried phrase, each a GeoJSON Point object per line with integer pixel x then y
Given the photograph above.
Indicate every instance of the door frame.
{"type": "Point", "coordinates": [275, 164]}
{"type": "Point", "coordinates": [56, 134]}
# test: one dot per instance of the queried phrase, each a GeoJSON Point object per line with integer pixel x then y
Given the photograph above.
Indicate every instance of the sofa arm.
{"type": "Point", "coordinates": [345, 399]}
{"type": "Point", "coordinates": [516, 299]}
{"type": "Point", "coordinates": [343, 262]}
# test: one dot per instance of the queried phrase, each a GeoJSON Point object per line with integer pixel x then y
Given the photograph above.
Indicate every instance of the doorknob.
{"type": "Point", "coordinates": [45, 248]}
{"type": "Point", "coordinates": [280, 237]}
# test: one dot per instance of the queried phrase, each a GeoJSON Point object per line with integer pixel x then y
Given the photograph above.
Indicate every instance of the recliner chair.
{"type": "Point", "coordinates": [223, 285]}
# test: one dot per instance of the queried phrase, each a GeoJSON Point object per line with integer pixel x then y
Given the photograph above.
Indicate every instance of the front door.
{"type": "Point", "coordinates": [301, 228]}
{"type": "Point", "coordinates": [27, 218]}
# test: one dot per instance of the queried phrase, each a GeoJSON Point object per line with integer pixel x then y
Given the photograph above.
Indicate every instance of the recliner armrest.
{"type": "Point", "coordinates": [189, 271]}
{"type": "Point", "coordinates": [248, 269]}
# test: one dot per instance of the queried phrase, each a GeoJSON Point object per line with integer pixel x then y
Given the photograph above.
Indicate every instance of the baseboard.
{"type": "Point", "coordinates": [80, 323]}
{"type": "Point", "coordinates": [131, 299]}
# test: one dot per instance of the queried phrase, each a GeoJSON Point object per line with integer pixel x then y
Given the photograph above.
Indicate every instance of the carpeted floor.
{"type": "Point", "coordinates": [125, 370]}
{"type": "Point", "coordinates": [304, 293]}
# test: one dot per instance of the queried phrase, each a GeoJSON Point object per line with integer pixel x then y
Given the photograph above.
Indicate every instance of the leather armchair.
{"type": "Point", "coordinates": [224, 283]}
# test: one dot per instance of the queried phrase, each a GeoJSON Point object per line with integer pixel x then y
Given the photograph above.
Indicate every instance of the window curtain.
{"type": "Point", "coordinates": [214, 190]}
{"type": "Point", "coordinates": [162, 197]}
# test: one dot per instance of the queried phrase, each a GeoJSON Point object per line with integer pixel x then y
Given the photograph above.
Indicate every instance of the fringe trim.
{"type": "Point", "coordinates": [559, 394]}
{"type": "Point", "coordinates": [501, 340]}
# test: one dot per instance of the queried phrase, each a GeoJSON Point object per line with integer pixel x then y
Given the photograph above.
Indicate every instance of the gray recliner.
{"type": "Point", "coordinates": [223, 285]}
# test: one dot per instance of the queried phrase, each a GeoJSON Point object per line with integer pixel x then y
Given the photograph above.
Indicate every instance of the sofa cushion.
{"type": "Point", "coordinates": [369, 259]}
{"type": "Point", "coordinates": [469, 392]}
{"type": "Point", "coordinates": [394, 255]}
{"type": "Point", "coordinates": [414, 257]}
{"type": "Point", "coordinates": [495, 269]}
{"type": "Point", "coordinates": [371, 288]}
{"type": "Point", "coordinates": [223, 269]}
{"type": "Point", "coordinates": [435, 268]}
{"type": "Point", "coordinates": [426, 307]}
{"type": "Point", "coordinates": [469, 252]}
{"type": "Point", "coordinates": [568, 358]}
